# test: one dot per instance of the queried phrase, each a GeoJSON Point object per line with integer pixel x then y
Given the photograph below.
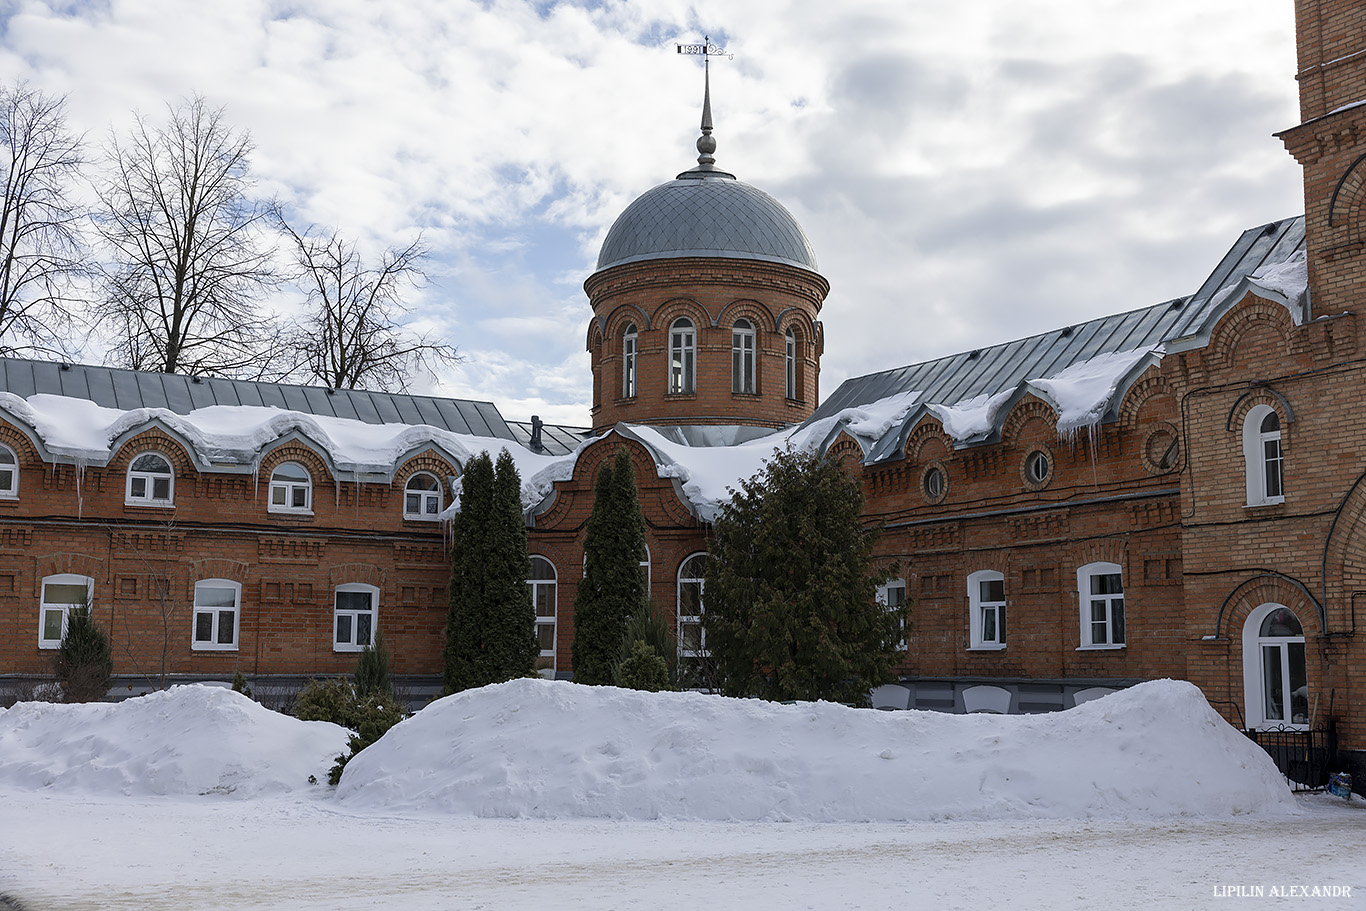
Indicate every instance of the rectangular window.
{"type": "Point", "coordinates": [893, 594]}
{"type": "Point", "coordinates": [216, 611]}
{"type": "Point", "coordinates": [1101, 588]}
{"type": "Point", "coordinates": [987, 610]}
{"type": "Point", "coordinates": [354, 622]}
{"type": "Point", "coordinates": [61, 593]}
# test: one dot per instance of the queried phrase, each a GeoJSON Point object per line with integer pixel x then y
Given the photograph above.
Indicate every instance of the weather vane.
{"type": "Point", "coordinates": [705, 49]}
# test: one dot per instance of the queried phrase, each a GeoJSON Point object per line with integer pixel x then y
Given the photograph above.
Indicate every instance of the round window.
{"type": "Point", "coordinates": [935, 483]}
{"type": "Point", "coordinates": [1161, 450]}
{"type": "Point", "coordinates": [1037, 467]}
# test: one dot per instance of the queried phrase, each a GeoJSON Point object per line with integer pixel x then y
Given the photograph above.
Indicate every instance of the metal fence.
{"type": "Point", "coordinates": [1305, 757]}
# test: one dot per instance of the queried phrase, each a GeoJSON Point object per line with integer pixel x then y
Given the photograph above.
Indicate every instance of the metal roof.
{"type": "Point", "coordinates": [709, 215]}
{"type": "Point", "coordinates": [126, 390]}
{"type": "Point", "coordinates": [1176, 324]}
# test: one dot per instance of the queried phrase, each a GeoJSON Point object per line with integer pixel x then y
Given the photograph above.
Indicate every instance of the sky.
{"type": "Point", "coordinates": [967, 173]}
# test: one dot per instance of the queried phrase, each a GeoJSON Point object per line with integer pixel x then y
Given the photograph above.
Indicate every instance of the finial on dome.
{"type": "Point", "coordinates": [706, 143]}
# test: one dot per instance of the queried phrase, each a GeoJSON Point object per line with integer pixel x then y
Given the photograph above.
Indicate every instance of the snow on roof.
{"type": "Point", "coordinates": [552, 749]}
{"type": "Point", "coordinates": [226, 436]}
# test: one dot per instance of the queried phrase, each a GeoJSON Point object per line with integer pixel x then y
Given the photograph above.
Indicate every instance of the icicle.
{"type": "Point", "coordinates": [80, 474]}
{"type": "Point", "coordinates": [1095, 474]}
{"type": "Point", "coordinates": [255, 480]}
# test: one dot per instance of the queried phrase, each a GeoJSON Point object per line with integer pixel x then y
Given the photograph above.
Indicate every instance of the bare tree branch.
{"type": "Point", "coordinates": [41, 247]}
{"type": "Point", "coordinates": [186, 238]}
{"type": "Point", "coordinates": [353, 336]}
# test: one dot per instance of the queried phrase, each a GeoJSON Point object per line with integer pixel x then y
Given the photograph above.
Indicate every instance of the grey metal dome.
{"type": "Point", "coordinates": [705, 212]}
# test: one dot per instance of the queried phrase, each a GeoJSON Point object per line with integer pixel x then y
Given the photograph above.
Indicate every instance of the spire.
{"type": "Point", "coordinates": [706, 143]}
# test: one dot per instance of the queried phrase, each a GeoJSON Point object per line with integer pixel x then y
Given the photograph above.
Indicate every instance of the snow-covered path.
{"type": "Point", "coordinates": [301, 852]}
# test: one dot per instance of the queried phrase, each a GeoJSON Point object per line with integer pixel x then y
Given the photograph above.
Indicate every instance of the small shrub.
{"type": "Point", "coordinates": [645, 670]}
{"type": "Point", "coordinates": [337, 701]}
{"type": "Point", "coordinates": [240, 685]}
{"type": "Point", "coordinates": [649, 626]}
{"type": "Point", "coordinates": [83, 665]}
{"type": "Point", "coordinates": [372, 668]}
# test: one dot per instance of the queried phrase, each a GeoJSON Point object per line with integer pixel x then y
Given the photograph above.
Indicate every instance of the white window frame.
{"type": "Point", "coordinates": [979, 608]}
{"type": "Point", "coordinates": [351, 644]}
{"type": "Point", "coordinates": [892, 594]}
{"type": "Point", "coordinates": [1254, 656]}
{"type": "Point", "coordinates": [743, 379]}
{"type": "Point", "coordinates": [149, 479]}
{"type": "Point", "coordinates": [215, 614]}
{"type": "Point", "coordinates": [790, 362]}
{"type": "Point", "coordinates": [9, 473]}
{"type": "Point", "coordinates": [700, 582]}
{"type": "Point", "coordinates": [1264, 472]}
{"type": "Point", "coordinates": [289, 487]}
{"type": "Point", "coordinates": [682, 357]}
{"type": "Point", "coordinates": [1084, 576]}
{"type": "Point", "coordinates": [430, 500]}
{"type": "Point", "coordinates": [45, 608]}
{"type": "Point", "coordinates": [549, 590]}
{"type": "Point", "coordinates": [630, 351]}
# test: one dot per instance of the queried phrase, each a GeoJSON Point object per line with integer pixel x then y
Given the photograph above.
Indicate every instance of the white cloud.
{"type": "Point", "coordinates": [967, 172]}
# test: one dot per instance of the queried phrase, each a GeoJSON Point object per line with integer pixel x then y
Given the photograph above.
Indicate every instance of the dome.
{"type": "Point", "coordinates": [706, 213]}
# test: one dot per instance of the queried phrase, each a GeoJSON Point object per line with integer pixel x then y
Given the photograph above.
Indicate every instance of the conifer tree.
{"type": "Point", "coordinates": [83, 664]}
{"type": "Point", "coordinates": [612, 588]}
{"type": "Point", "coordinates": [791, 595]}
{"type": "Point", "coordinates": [490, 627]}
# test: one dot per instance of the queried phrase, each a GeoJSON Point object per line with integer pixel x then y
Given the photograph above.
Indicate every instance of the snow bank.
{"type": "Point", "coordinates": [183, 741]}
{"type": "Point", "coordinates": [533, 748]}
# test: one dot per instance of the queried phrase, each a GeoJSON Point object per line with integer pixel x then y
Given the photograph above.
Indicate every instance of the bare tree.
{"type": "Point", "coordinates": [41, 247]}
{"type": "Point", "coordinates": [186, 238]}
{"type": "Point", "coordinates": [353, 335]}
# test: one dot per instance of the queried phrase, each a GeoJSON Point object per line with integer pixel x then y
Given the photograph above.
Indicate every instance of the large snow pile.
{"type": "Point", "coordinates": [553, 749]}
{"type": "Point", "coordinates": [186, 740]}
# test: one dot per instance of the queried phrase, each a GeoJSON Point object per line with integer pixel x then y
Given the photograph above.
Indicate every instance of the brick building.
{"type": "Point", "coordinates": [1173, 491]}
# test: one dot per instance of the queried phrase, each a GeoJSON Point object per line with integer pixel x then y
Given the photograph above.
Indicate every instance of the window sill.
{"type": "Point", "coordinates": [680, 396]}
{"type": "Point", "coordinates": [426, 519]}
{"type": "Point", "coordinates": [347, 649]}
{"type": "Point", "coordinates": [744, 395]}
{"type": "Point", "coordinates": [149, 504]}
{"type": "Point", "coordinates": [51, 646]}
{"type": "Point", "coordinates": [1280, 501]}
{"type": "Point", "coordinates": [9, 499]}
{"type": "Point", "coordinates": [208, 647]}
{"type": "Point", "coordinates": [291, 513]}
{"type": "Point", "coordinates": [1101, 648]}
{"type": "Point", "coordinates": [986, 648]}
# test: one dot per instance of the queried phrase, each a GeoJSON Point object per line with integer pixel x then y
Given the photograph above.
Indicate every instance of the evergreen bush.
{"type": "Point", "coordinates": [240, 685]}
{"type": "Point", "coordinates": [368, 717]}
{"type": "Point", "coordinates": [645, 669]}
{"type": "Point", "coordinates": [372, 668]}
{"type": "Point", "coordinates": [612, 588]}
{"type": "Point", "coordinates": [650, 627]}
{"type": "Point", "coordinates": [83, 664]}
{"type": "Point", "coordinates": [791, 594]}
{"type": "Point", "coordinates": [490, 627]}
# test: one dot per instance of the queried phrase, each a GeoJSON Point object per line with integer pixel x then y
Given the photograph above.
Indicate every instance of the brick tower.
{"type": "Point", "coordinates": [1330, 144]}
{"type": "Point", "coordinates": [705, 306]}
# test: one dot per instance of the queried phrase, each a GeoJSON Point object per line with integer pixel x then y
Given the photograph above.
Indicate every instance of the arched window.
{"type": "Point", "coordinates": [9, 473]}
{"type": "Point", "coordinates": [790, 363]}
{"type": "Point", "coordinates": [422, 497]}
{"type": "Point", "coordinates": [1262, 455]}
{"type": "Point", "coordinates": [355, 616]}
{"type": "Point", "coordinates": [1275, 676]}
{"type": "Point", "coordinates": [692, 636]}
{"type": "Point", "coordinates": [987, 609]}
{"type": "Point", "coordinates": [61, 593]}
{"type": "Point", "coordinates": [682, 356]}
{"type": "Point", "coordinates": [629, 342]}
{"type": "Point", "coordinates": [217, 604]}
{"type": "Point", "coordinates": [150, 481]}
{"type": "Point", "coordinates": [291, 489]}
{"type": "Point", "coordinates": [543, 595]}
{"type": "Point", "coordinates": [742, 357]}
{"type": "Point", "coordinates": [1100, 587]}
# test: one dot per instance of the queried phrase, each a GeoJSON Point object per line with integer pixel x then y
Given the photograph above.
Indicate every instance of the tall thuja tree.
{"type": "Point", "coordinates": [791, 604]}
{"type": "Point", "coordinates": [613, 588]}
{"type": "Point", "coordinates": [490, 628]}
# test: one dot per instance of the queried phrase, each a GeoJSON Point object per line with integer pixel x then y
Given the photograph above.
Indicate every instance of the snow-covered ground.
{"type": "Point", "coordinates": [536, 794]}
